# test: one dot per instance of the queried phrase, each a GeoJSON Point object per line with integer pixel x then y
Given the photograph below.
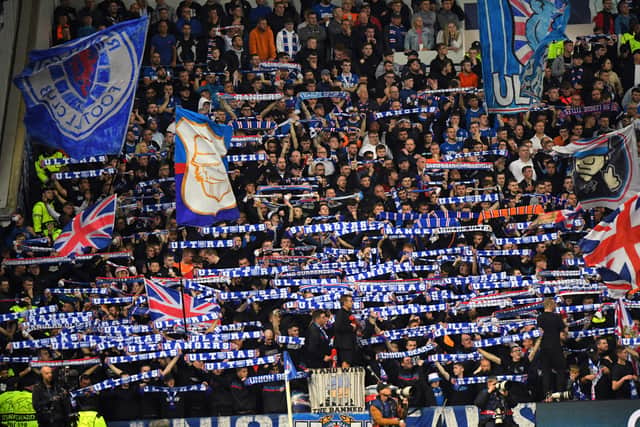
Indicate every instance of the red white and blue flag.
{"type": "Point", "coordinates": [614, 244]}
{"type": "Point", "coordinates": [623, 319]}
{"type": "Point", "coordinates": [166, 303]}
{"type": "Point", "coordinates": [92, 228]}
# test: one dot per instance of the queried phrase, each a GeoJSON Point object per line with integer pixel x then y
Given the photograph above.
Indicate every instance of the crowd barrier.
{"type": "Point", "coordinates": [16, 411]}
{"type": "Point", "coordinates": [453, 416]}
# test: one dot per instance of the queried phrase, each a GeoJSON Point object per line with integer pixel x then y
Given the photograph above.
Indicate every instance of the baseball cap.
{"type": "Point", "coordinates": [433, 377]}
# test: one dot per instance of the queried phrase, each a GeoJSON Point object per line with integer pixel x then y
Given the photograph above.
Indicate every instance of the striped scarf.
{"type": "Point", "coordinates": [201, 244]}
{"type": "Point", "coordinates": [250, 96]}
{"type": "Point", "coordinates": [290, 42]}
{"type": "Point", "coordinates": [69, 161]}
{"type": "Point", "coordinates": [520, 210]}
{"type": "Point", "coordinates": [94, 173]}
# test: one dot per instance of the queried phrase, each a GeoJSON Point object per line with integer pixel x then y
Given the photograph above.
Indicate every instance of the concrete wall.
{"type": "Point", "coordinates": [27, 27]}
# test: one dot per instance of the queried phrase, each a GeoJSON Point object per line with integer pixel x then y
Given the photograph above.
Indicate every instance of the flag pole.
{"type": "Point", "coordinates": [289, 405]}
{"type": "Point", "coordinates": [184, 311]}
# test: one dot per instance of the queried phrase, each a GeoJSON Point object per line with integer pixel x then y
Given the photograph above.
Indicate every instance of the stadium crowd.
{"type": "Point", "coordinates": [333, 160]}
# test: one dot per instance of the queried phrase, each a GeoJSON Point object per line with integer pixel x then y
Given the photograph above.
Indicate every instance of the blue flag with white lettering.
{"type": "Point", "coordinates": [79, 95]}
{"type": "Point", "coordinates": [204, 195]}
{"type": "Point", "coordinates": [515, 38]}
{"type": "Point", "coordinates": [289, 367]}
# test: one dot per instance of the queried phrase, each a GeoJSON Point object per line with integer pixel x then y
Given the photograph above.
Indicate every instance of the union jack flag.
{"type": "Point", "coordinates": [623, 319]}
{"type": "Point", "coordinates": [92, 228]}
{"type": "Point", "coordinates": [166, 303]}
{"type": "Point", "coordinates": [522, 11]}
{"type": "Point", "coordinates": [614, 245]}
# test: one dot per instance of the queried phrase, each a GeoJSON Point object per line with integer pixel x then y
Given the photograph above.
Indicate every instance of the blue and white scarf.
{"type": "Point", "coordinates": [201, 244]}
{"type": "Point", "coordinates": [479, 198]}
{"type": "Point", "coordinates": [271, 378]}
{"type": "Point", "coordinates": [507, 339]}
{"type": "Point", "coordinates": [526, 240]}
{"type": "Point", "coordinates": [404, 112]}
{"type": "Point", "coordinates": [408, 353]}
{"type": "Point", "coordinates": [181, 389]}
{"type": "Point", "coordinates": [113, 383]}
{"type": "Point", "coordinates": [139, 357]}
{"type": "Point", "coordinates": [222, 355]}
{"type": "Point", "coordinates": [69, 161]}
{"type": "Point", "coordinates": [94, 173]}
{"type": "Point", "coordinates": [244, 363]}
{"type": "Point", "coordinates": [454, 156]}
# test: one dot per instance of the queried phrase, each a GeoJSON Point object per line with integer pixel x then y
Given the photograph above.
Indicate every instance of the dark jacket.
{"type": "Point", "coordinates": [51, 405]}
{"type": "Point", "coordinates": [316, 346]}
{"type": "Point", "coordinates": [345, 335]}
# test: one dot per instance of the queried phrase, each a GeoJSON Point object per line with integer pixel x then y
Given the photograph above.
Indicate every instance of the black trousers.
{"type": "Point", "coordinates": [553, 359]}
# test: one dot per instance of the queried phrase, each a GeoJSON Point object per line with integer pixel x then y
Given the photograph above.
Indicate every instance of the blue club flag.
{"type": "Point", "coordinates": [515, 38]}
{"type": "Point", "coordinates": [289, 367]}
{"type": "Point", "coordinates": [204, 194]}
{"type": "Point", "coordinates": [79, 95]}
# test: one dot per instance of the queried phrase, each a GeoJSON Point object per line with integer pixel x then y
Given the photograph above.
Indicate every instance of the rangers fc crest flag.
{"type": "Point", "coordinates": [515, 37]}
{"type": "Point", "coordinates": [203, 191]}
{"type": "Point", "coordinates": [79, 95]}
{"type": "Point", "coordinates": [605, 169]}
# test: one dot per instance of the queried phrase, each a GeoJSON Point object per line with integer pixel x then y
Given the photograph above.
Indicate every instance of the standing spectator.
{"type": "Point", "coordinates": [187, 46]}
{"type": "Point", "coordinates": [524, 159]}
{"type": "Point", "coordinates": [467, 77]}
{"type": "Point", "coordinates": [193, 6]}
{"type": "Point", "coordinates": [164, 44]}
{"type": "Point", "coordinates": [261, 41]}
{"type": "Point", "coordinates": [114, 14]}
{"type": "Point", "coordinates": [428, 16]}
{"type": "Point", "coordinates": [418, 37]}
{"type": "Point", "coordinates": [260, 11]}
{"type": "Point", "coordinates": [551, 355]}
{"type": "Point", "coordinates": [604, 21]}
{"type": "Point", "coordinates": [316, 347]}
{"type": "Point", "coordinates": [62, 29]}
{"type": "Point", "coordinates": [324, 10]}
{"type": "Point", "coordinates": [86, 28]}
{"type": "Point", "coordinates": [187, 17]}
{"type": "Point", "coordinates": [624, 22]}
{"type": "Point", "coordinates": [624, 382]}
{"type": "Point", "coordinates": [287, 40]}
{"type": "Point", "coordinates": [313, 29]}
{"type": "Point", "coordinates": [347, 79]}
{"type": "Point", "coordinates": [394, 34]}
{"type": "Point", "coordinates": [345, 340]}
{"type": "Point", "coordinates": [162, 5]}
{"type": "Point", "coordinates": [446, 15]}
{"type": "Point", "coordinates": [451, 37]}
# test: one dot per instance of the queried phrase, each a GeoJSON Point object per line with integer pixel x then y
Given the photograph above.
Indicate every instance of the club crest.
{"type": "Point", "coordinates": [533, 20]}
{"type": "Point", "coordinates": [336, 420]}
{"type": "Point", "coordinates": [205, 186]}
{"type": "Point", "coordinates": [84, 88]}
{"type": "Point", "coordinates": [602, 170]}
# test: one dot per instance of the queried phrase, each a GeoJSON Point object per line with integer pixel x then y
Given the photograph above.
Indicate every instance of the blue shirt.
{"type": "Point", "coordinates": [448, 148]}
{"type": "Point", "coordinates": [323, 11]}
{"type": "Point", "coordinates": [257, 13]}
{"type": "Point", "coordinates": [164, 46]}
{"type": "Point", "coordinates": [395, 38]}
{"type": "Point", "coordinates": [473, 114]}
{"type": "Point", "coordinates": [196, 26]}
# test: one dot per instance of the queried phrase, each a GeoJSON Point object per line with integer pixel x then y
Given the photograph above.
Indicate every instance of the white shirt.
{"type": "Point", "coordinates": [516, 169]}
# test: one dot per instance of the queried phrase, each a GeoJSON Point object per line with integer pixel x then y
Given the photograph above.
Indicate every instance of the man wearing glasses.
{"type": "Point", "coordinates": [385, 410]}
